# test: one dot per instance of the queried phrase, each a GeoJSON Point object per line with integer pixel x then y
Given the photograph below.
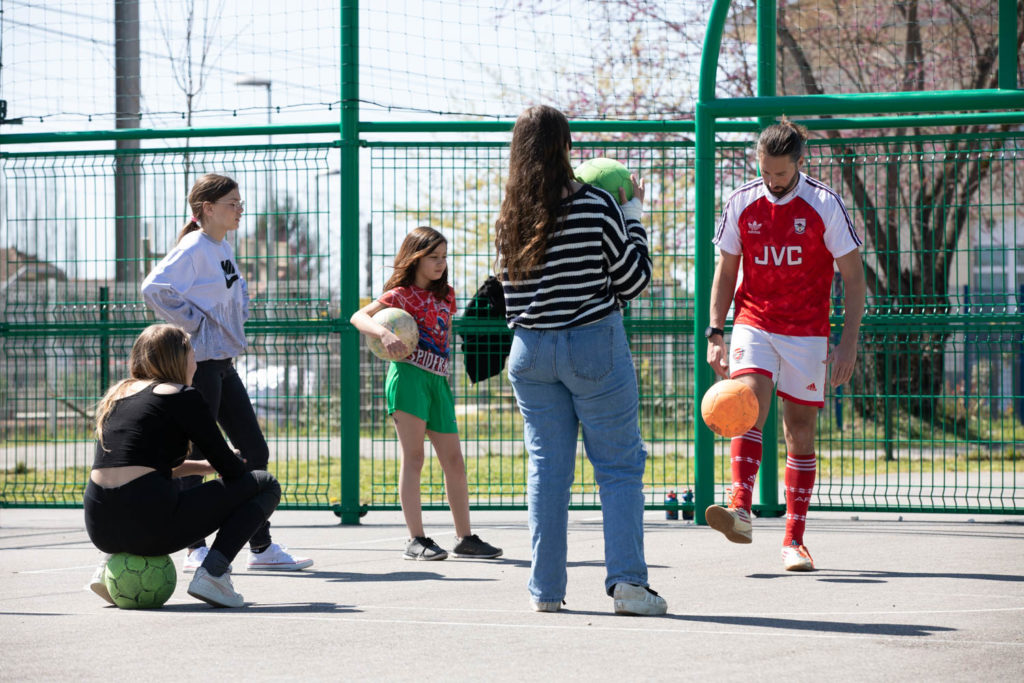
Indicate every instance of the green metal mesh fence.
{"type": "Point", "coordinates": [930, 422]}
{"type": "Point", "coordinates": [81, 230]}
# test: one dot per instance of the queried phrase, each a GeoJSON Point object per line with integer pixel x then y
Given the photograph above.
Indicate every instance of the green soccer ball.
{"type": "Point", "coordinates": [138, 581]}
{"type": "Point", "coordinates": [608, 174]}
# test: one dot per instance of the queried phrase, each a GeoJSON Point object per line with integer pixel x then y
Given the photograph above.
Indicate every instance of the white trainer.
{"type": "Point", "coordinates": [215, 590]}
{"type": "Point", "coordinates": [733, 522]}
{"type": "Point", "coordinates": [796, 558]}
{"type": "Point", "coordinates": [276, 558]}
{"type": "Point", "coordinates": [194, 559]}
{"type": "Point", "coordinates": [638, 600]}
{"type": "Point", "coordinates": [97, 584]}
{"type": "Point", "coordinates": [546, 606]}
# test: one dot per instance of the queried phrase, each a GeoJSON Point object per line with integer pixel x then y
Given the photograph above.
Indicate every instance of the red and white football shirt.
{"type": "Point", "coordinates": [788, 246]}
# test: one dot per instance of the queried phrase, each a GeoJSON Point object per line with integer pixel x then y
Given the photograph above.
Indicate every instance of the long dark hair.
{"type": "Point", "coordinates": [417, 244]}
{"type": "Point", "coordinates": [539, 174]}
{"type": "Point", "coordinates": [208, 188]}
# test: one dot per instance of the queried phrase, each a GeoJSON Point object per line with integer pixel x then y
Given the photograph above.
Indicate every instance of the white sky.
{"type": "Point", "coordinates": [416, 57]}
{"type": "Point", "coordinates": [466, 57]}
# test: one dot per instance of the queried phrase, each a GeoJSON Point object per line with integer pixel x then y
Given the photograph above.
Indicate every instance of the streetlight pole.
{"type": "Point", "coordinates": [271, 209]}
{"type": "Point", "coordinates": [260, 83]}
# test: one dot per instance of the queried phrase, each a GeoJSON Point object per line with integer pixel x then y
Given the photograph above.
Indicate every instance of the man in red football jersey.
{"type": "Point", "coordinates": [788, 232]}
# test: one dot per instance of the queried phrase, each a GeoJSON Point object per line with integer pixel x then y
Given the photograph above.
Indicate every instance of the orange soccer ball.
{"type": "Point", "coordinates": [729, 408]}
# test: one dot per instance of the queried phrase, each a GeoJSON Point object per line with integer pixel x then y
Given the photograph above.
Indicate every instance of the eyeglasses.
{"type": "Point", "coordinates": [237, 206]}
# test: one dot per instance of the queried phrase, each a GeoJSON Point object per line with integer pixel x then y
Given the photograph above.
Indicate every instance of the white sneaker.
{"type": "Point", "coordinates": [733, 522]}
{"type": "Point", "coordinates": [97, 584]}
{"type": "Point", "coordinates": [546, 606]}
{"type": "Point", "coordinates": [194, 559]}
{"type": "Point", "coordinates": [638, 600]}
{"type": "Point", "coordinates": [796, 558]}
{"type": "Point", "coordinates": [276, 558]}
{"type": "Point", "coordinates": [215, 590]}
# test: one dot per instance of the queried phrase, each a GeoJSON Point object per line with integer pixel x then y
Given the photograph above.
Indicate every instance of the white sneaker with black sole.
{"type": "Point", "coordinates": [638, 600]}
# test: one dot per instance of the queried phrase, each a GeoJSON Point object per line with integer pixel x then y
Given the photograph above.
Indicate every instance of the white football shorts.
{"type": "Point", "coordinates": [795, 364]}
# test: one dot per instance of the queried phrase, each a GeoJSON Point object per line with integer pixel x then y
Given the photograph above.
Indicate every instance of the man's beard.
{"type": "Point", "coordinates": [788, 188]}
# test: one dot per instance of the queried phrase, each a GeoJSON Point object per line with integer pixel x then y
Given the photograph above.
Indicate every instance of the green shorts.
{"type": "Point", "coordinates": [423, 394]}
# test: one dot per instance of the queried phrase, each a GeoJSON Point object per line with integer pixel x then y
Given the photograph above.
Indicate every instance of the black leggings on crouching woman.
{"type": "Point", "coordinates": [151, 516]}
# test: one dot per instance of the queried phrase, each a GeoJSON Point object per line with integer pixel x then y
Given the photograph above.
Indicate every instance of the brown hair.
{"type": "Point", "coordinates": [160, 354]}
{"type": "Point", "coordinates": [538, 175]}
{"type": "Point", "coordinates": [784, 138]}
{"type": "Point", "coordinates": [417, 244]}
{"type": "Point", "coordinates": [208, 188]}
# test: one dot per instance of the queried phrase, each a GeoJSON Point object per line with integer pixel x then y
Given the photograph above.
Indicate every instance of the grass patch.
{"type": "Point", "coordinates": [497, 479]}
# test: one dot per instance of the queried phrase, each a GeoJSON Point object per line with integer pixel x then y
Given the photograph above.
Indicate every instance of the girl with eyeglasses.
{"type": "Point", "coordinates": [199, 287]}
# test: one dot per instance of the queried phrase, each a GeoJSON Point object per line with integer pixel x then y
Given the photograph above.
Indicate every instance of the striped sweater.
{"type": "Point", "coordinates": [595, 261]}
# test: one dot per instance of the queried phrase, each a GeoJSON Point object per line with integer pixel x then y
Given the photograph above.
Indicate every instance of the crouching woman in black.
{"type": "Point", "coordinates": [143, 426]}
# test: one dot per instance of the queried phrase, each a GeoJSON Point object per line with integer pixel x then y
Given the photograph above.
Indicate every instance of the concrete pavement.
{"type": "Point", "coordinates": [926, 598]}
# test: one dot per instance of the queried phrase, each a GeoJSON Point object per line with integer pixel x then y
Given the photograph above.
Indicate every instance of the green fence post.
{"type": "Point", "coordinates": [1008, 44]}
{"type": "Point", "coordinates": [104, 338]}
{"type": "Point", "coordinates": [766, 61]}
{"type": "Point", "coordinates": [768, 476]}
{"type": "Point", "coordinates": [349, 337]}
{"type": "Point", "coordinates": [704, 254]}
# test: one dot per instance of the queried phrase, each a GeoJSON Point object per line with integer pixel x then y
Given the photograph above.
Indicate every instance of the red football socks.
{"type": "Point", "coordinates": [799, 486]}
{"type": "Point", "coordinates": [745, 452]}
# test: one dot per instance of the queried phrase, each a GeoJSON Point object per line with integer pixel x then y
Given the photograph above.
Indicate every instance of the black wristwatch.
{"type": "Point", "coordinates": [711, 331]}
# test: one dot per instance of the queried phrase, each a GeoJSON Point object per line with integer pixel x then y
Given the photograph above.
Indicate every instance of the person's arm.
{"type": "Point", "coordinates": [628, 254]}
{"type": "Point", "coordinates": [164, 291]}
{"type": "Point", "coordinates": [195, 419]}
{"type": "Point", "coordinates": [844, 357]}
{"type": "Point", "coordinates": [723, 287]}
{"type": "Point", "coordinates": [363, 321]}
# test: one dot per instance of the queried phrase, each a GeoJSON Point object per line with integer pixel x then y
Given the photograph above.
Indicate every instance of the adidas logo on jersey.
{"type": "Point", "coordinates": [754, 228]}
{"type": "Point", "coordinates": [812, 387]}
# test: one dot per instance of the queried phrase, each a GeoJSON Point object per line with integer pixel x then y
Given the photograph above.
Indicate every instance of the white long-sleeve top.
{"type": "Point", "coordinates": [199, 287]}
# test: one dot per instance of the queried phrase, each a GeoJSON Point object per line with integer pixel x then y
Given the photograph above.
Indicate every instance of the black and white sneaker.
{"type": "Point", "coordinates": [424, 548]}
{"type": "Point", "coordinates": [472, 546]}
{"type": "Point", "coordinates": [638, 600]}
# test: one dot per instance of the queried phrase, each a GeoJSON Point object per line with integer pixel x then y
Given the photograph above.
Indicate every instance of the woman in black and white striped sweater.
{"type": "Point", "coordinates": [569, 258]}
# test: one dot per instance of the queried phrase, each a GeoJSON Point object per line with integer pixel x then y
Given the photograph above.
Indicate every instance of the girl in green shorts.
{"type": "Point", "coordinates": [418, 395]}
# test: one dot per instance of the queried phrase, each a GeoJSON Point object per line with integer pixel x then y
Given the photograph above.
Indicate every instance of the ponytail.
{"type": "Point", "coordinates": [191, 226]}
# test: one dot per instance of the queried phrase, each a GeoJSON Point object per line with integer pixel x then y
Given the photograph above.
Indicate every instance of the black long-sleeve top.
{"type": "Point", "coordinates": [153, 430]}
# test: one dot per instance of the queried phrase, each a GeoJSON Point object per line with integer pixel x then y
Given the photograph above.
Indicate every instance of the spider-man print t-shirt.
{"type": "Point", "coordinates": [434, 319]}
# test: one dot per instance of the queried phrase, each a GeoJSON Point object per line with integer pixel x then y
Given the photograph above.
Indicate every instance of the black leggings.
{"type": "Point", "coordinates": [224, 392]}
{"type": "Point", "coordinates": [151, 516]}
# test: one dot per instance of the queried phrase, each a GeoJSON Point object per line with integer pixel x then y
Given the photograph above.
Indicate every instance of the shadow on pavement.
{"type": "Point", "coordinates": [881, 576]}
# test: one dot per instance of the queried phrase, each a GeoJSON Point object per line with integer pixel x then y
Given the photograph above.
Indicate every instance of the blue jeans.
{"type": "Point", "coordinates": [563, 379]}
